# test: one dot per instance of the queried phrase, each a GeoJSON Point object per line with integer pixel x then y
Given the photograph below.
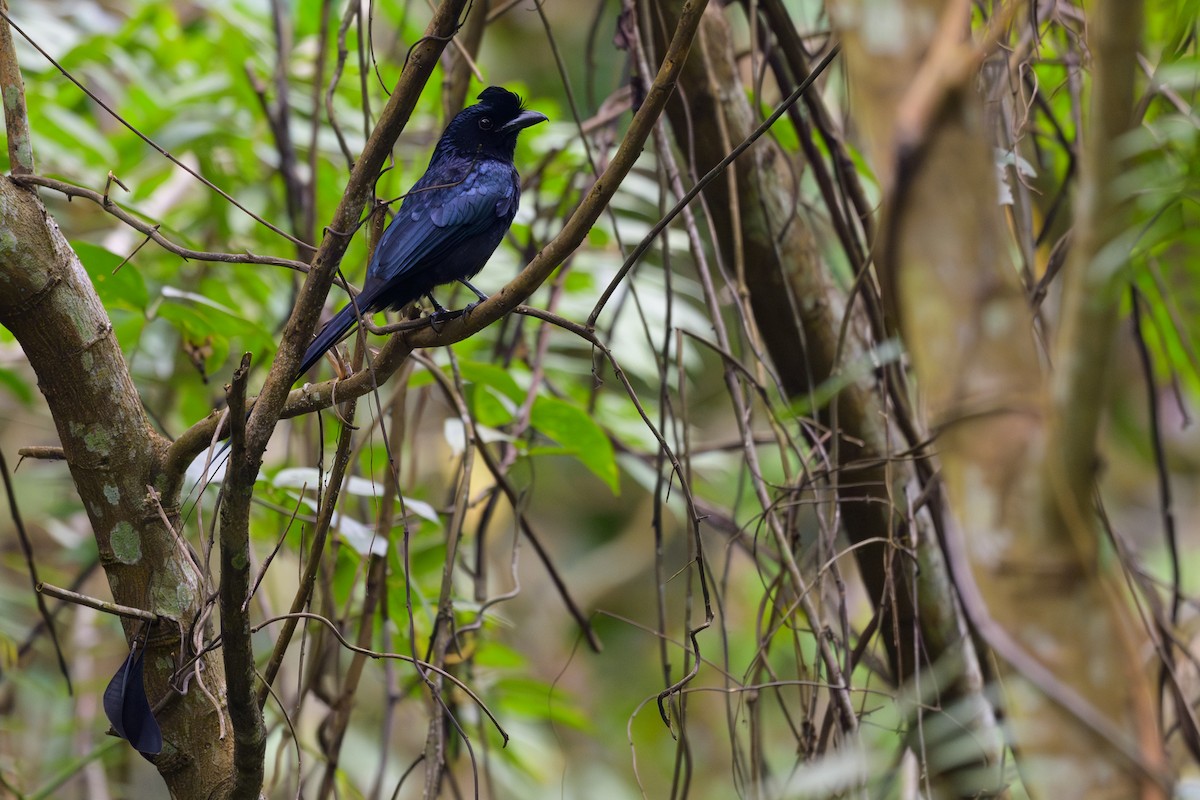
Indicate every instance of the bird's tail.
{"type": "Point", "coordinates": [330, 335]}
{"type": "Point", "coordinates": [333, 331]}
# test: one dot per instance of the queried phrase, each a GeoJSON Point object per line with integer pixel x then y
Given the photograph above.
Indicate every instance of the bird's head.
{"type": "Point", "coordinates": [490, 127]}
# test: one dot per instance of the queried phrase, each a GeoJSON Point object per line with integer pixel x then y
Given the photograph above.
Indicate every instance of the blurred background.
{"type": "Point", "coordinates": [577, 459]}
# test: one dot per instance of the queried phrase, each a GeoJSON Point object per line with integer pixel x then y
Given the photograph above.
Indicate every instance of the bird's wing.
{"type": "Point", "coordinates": [431, 223]}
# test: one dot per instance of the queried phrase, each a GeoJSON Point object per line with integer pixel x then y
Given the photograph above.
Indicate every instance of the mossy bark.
{"type": "Point", "coordinates": [117, 462]}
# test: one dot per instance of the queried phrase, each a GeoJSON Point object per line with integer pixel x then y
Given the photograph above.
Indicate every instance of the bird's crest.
{"type": "Point", "coordinates": [489, 128]}
{"type": "Point", "coordinates": [506, 104]}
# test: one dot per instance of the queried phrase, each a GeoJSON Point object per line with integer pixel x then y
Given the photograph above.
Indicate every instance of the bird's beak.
{"type": "Point", "coordinates": [523, 120]}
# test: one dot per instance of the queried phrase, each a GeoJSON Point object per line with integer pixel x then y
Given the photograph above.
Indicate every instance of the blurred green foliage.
{"type": "Point", "coordinates": [584, 725]}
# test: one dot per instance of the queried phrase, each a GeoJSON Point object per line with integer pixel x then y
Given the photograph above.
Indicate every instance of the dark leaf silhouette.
{"type": "Point", "coordinates": [128, 709]}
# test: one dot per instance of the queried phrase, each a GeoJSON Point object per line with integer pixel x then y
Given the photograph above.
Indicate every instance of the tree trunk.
{"type": "Point", "coordinates": [766, 241]}
{"type": "Point", "coordinates": [117, 463]}
{"type": "Point", "coordinates": [1075, 692]}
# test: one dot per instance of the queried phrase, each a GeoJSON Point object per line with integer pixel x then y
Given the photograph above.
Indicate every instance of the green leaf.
{"type": "Point", "coordinates": [579, 435]}
{"type": "Point", "coordinates": [488, 409]}
{"type": "Point", "coordinates": [346, 574]}
{"type": "Point", "coordinates": [127, 326]}
{"type": "Point", "coordinates": [198, 318]}
{"type": "Point", "coordinates": [194, 323]}
{"type": "Point", "coordinates": [17, 386]}
{"type": "Point", "coordinates": [493, 654]}
{"type": "Point", "coordinates": [126, 288]}
{"type": "Point", "coordinates": [538, 700]}
{"type": "Point", "coordinates": [495, 376]}
{"type": "Point", "coordinates": [66, 126]}
{"type": "Point", "coordinates": [578, 281]}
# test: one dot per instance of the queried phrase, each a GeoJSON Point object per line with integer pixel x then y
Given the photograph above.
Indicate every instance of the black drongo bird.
{"type": "Point", "coordinates": [451, 221]}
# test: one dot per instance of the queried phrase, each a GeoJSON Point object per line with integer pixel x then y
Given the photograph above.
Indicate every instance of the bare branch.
{"type": "Point", "coordinates": [249, 735]}
{"type": "Point", "coordinates": [78, 599]}
{"type": "Point", "coordinates": [152, 231]}
{"type": "Point", "coordinates": [16, 115]}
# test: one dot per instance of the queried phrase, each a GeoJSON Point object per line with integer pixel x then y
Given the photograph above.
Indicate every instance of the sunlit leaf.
{"type": "Point", "coordinates": [359, 535]}
{"type": "Point", "coordinates": [126, 287]}
{"type": "Point", "coordinates": [577, 434]}
{"type": "Point", "coordinates": [455, 434]}
{"type": "Point", "coordinates": [488, 409]}
{"type": "Point", "coordinates": [492, 375]}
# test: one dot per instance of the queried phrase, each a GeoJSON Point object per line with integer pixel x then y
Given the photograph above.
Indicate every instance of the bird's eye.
{"type": "Point", "coordinates": [486, 123]}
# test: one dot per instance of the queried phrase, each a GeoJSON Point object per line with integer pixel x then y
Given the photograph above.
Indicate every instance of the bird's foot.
{"type": "Point", "coordinates": [439, 315]}
{"type": "Point", "coordinates": [478, 293]}
{"type": "Point", "coordinates": [438, 308]}
{"type": "Point", "coordinates": [444, 315]}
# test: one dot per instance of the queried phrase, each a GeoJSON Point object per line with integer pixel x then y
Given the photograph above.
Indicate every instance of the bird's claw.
{"type": "Point", "coordinates": [443, 315]}
{"type": "Point", "coordinates": [438, 308]}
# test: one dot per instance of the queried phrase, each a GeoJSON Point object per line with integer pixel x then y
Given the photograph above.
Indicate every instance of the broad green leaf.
{"type": "Point", "coordinates": [579, 435]}
{"type": "Point", "coordinates": [66, 126]}
{"type": "Point", "coordinates": [198, 317]}
{"type": "Point", "coordinates": [127, 326]}
{"type": "Point", "coordinates": [17, 386]}
{"type": "Point", "coordinates": [488, 409]}
{"type": "Point", "coordinates": [195, 323]}
{"type": "Point", "coordinates": [537, 700]}
{"type": "Point", "coordinates": [492, 375]}
{"type": "Point", "coordinates": [125, 288]}
{"type": "Point", "coordinates": [498, 655]}
{"type": "Point", "coordinates": [347, 574]}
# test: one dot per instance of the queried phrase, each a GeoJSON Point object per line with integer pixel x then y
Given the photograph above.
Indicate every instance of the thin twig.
{"type": "Point", "coordinates": [396, 656]}
{"type": "Point", "coordinates": [27, 551]}
{"type": "Point", "coordinates": [316, 552]}
{"type": "Point", "coordinates": [91, 602]}
{"type": "Point", "coordinates": [16, 114]}
{"type": "Point", "coordinates": [152, 231]}
{"type": "Point", "coordinates": [133, 129]}
{"type": "Point", "coordinates": [711, 175]}
{"type": "Point", "coordinates": [527, 528]}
